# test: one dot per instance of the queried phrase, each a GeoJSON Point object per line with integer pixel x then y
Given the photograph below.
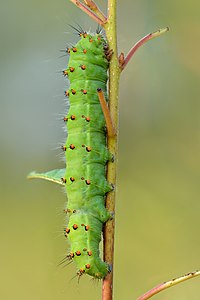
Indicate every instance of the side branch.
{"type": "Point", "coordinates": [84, 8]}
{"type": "Point", "coordinates": [161, 287]}
{"type": "Point", "coordinates": [148, 37]}
{"type": "Point", "coordinates": [96, 10]}
{"type": "Point", "coordinates": [109, 124]}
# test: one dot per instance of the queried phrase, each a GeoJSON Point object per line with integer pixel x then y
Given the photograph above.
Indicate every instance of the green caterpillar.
{"type": "Point", "coordinates": [86, 154]}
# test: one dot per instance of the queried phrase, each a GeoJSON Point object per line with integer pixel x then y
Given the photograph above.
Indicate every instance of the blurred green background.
{"type": "Point", "coordinates": [157, 217]}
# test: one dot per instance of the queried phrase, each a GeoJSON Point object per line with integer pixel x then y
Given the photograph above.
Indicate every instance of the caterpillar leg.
{"type": "Point", "coordinates": [109, 124]}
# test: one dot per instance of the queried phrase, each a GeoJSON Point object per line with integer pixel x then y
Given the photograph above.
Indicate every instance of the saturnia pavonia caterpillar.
{"type": "Point", "coordinates": [86, 154]}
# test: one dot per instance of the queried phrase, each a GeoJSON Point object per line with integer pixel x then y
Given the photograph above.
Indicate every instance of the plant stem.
{"type": "Point", "coordinates": [161, 287]}
{"type": "Point", "coordinates": [84, 8]}
{"type": "Point", "coordinates": [106, 112]}
{"type": "Point", "coordinates": [141, 42]}
{"type": "Point", "coordinates": [92, 5]}
{"type": "Point", "coordinates": [112, 142]}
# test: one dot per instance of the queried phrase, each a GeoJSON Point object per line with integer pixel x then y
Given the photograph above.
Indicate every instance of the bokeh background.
{"type": "Point", "coordinates": [157, 209]}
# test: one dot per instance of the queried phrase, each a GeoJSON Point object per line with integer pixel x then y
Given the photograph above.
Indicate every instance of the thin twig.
{"type": "Point", "coordinates": [141, 42]}
{"type": "Point", "coordinates": [87, 11]}
{"type": "Point", "coordinates": [106, 112]}
{"type": "Point", "coordinates": [92, 5]}
{"type": "Point", "coordinates": [161, 287]}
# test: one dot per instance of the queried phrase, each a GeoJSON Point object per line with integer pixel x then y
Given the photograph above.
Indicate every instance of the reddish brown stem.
{"type": "Point", "coordinates": [161, 287]}
{"type": "Point", "coordinates": [92, 5]}
{"type": "Point", "coordinates": [109, 124]}
{"type": "Point", "coordinates": [141, 42]}
{"type": "Point", "coordinates": [84, 8]}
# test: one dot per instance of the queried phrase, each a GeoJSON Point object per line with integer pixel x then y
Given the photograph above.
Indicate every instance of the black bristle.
{"type": "Point", "coordinates": [79, 30]}
{"type": "Point", "coordinates": [99, 29]}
